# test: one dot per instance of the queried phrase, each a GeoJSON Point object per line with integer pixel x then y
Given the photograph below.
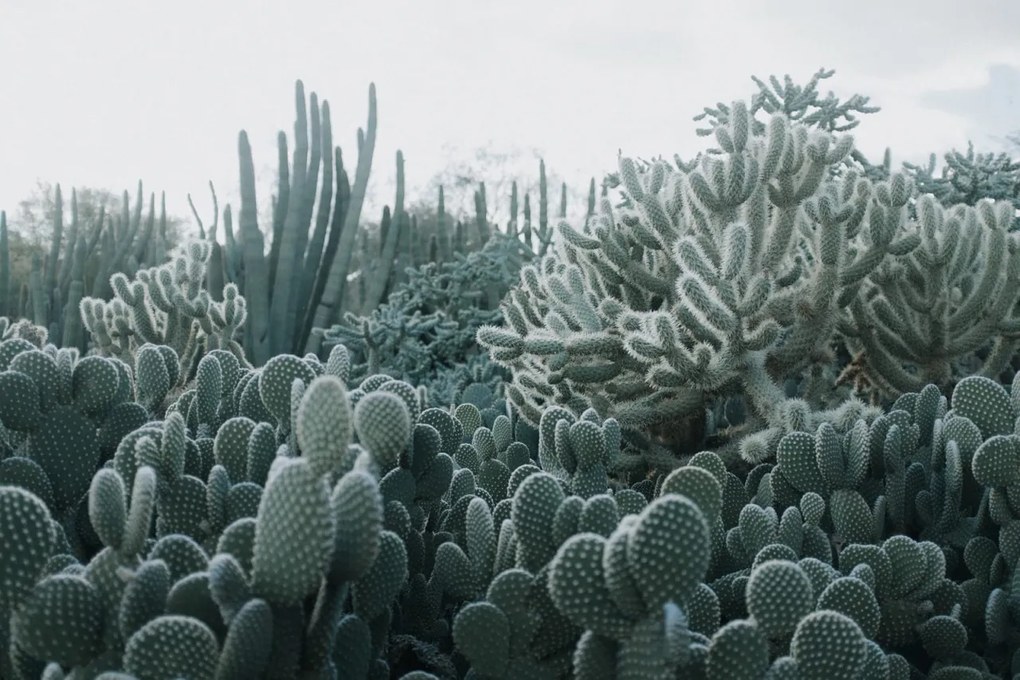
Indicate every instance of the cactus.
{"type": "Point", "coordinates": [852, 597]}
{"type": "Point", "coordinates": [901, 319]}
{"type": "Point", "coordinates": [738, 651]}
{"type": "Point", "coordinates": [246, 649]}
{"type": "Point", "coordinates": [23, 515]}
{"type": "Point", "coordinates": [62, 621]}
{"type": "Point", "coordinates": [171, 646]}
{"type": "Point", "coordinates": [336, 258]}
{"type": "Point", "coordinates": [779, 595]}
{"type": "Point", "coordinates": [166, 305]}
{"type": "Point", "coordinates": [293, 541]}
{"type": "Point", "coordinates": [383, 424]}
{"type": "Point", "coordinates": [167, 510]}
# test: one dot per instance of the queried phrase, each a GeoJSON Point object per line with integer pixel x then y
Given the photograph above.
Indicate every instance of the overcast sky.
{"type": "Point", "coordinates": [159, 90]}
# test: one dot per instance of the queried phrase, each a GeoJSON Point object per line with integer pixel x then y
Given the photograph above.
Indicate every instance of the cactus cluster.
{"type": "Point", "coordinates": [167, 305]}
{"type": "Point", "coordinates": [741, 271]}
{"type": "Point", "coordinates": [189, 499]}
{"type": "Point", "coordinates": [289, 521]}
{"type": "Point", "coordinates": [80, 261]}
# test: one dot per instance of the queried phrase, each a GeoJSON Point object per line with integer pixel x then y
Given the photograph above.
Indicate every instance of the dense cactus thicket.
{"type": "Point", "coordinates": [756, 417]}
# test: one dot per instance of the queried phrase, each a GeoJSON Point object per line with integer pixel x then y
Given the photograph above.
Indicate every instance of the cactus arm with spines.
{"type": "Point", "coordinates": [332, 170]}
{"type": "Point", "coordinates": [330, 305]}
{"type": "Point", "coordinates": [290, 243]}
{"type": "Point", "coordinates": [254, 260]}
{"type": "Point", "coordinates": [167, 305]}
{"type": "Point", "coordinates": [909, 315]}
{"type": "Point", "coordinates": [744, 311]}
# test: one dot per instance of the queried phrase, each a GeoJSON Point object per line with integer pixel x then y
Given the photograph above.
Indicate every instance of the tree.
{"type": "Point", "coordinates": [498, 168]}
{"type": "Point", "coordinates": [1013, 141]}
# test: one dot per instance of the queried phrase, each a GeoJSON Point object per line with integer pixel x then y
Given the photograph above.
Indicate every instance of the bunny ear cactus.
{"type": "Point", "coordinates": [632, 588]}
{"type": "Point", "coordinates": [294, 534]}
{"type": "Point", "coordinates": [60, 437]}
{"type": "Point", "coordinates": [700, 486]}
{"type": "Point", "coordinates": [375, 590]}
{"type": "Point", "coordinates": [182, 505]}
{"type": "Point", "coordinates": [987, 404]}
{"type": "Point", "coordinates": [20, 411]}
{"type": "Point", "coordinates": [325, 424]}
{"type": "Point", "coordinates": [153, 377]}
{"type": "Point", "coordinates": [144, 597]}
{"type": "Point", "coordinates": [533, 511]}
{"type": "Point", "coordinates": [906, 573]}
{"type": "Point", "coordinates": [26, 535]}
{"type": "Point", "coordinates": [249, 642]}
{"type": "Point", "coordinates": [209, 391]}
{"type": "Point", "coordinates": [828, 646]}
{"type": "Point", "coordinates": [669, 569]}
{"type": "Point", "coordinates": [108, 507]}
{"type": "Point", "coordinates": [63, 412]}
{"type": "Point", "coordinates": [62, 621]}
{"type": "Point", "coordinates": [779, 595]}
{"type": "Point", "coordinates": [357, 508]}
{"type": "Point", "coordinates": [95, 385]}
{"type": "Point", "coordinates": [230, 448]}
{"type": "Point", "coordinates": [382, 421]}
{"type": "Point", "coordinates": [339, 363]}
{"type": "Point", "coordinates": [582, 451]}
{"type": "Point", "coordinates": [182, 555]}
{"type": "Point", "coordinates": [172, 646]}
{"type": "Point", "coordinates": [856, 599]}
{"type": "Point", "coordinates": [577, 585]}
{"type": "Point", "coordinates": [738, 652]}
{"type": "Point", "coordinates": [482, 632]}
{"type": "Point", "coordinates": [274, 385]}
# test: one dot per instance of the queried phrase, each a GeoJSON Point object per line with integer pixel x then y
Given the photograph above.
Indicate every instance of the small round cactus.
{"type": "Point", "coordinates": [383, 424]}
{"type": "Point", "coordinates": [828, 646]}
{"type": "Point", "coordinates": [324, 423]}
{"type": "Point", "coordinates": [779, 595]}
{"type": "Point", "coordinates": [172, 646]}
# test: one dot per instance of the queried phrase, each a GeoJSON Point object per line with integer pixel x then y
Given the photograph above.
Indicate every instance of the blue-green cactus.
{"type": "Point", "coordinates": [27, 537]}
{"type": "Point", "coordinates": [294, 534]}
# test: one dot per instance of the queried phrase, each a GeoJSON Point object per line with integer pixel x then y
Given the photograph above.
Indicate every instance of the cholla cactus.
{"type": "Point", "coordinates": [24, 329]}
{"type": "Point", "coordinates": [166, 305]}
{"type": "Point", "coordinates": [719, 277]}
{"type": "Point", "coordinates": [921, 317]}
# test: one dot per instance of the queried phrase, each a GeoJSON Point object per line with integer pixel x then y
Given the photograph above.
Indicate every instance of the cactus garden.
{"type": "Point", "coordinates": [754, 416]}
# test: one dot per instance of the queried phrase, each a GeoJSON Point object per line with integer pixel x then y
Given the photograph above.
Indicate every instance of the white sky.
{"type": "Point", "coordinates": [107, 92]}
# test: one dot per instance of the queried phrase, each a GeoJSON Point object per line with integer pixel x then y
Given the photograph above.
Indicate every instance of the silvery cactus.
{"type": "Point", "coordinates": [166, 305]}
{"type": "Point", "coordinates": [732, 273]}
